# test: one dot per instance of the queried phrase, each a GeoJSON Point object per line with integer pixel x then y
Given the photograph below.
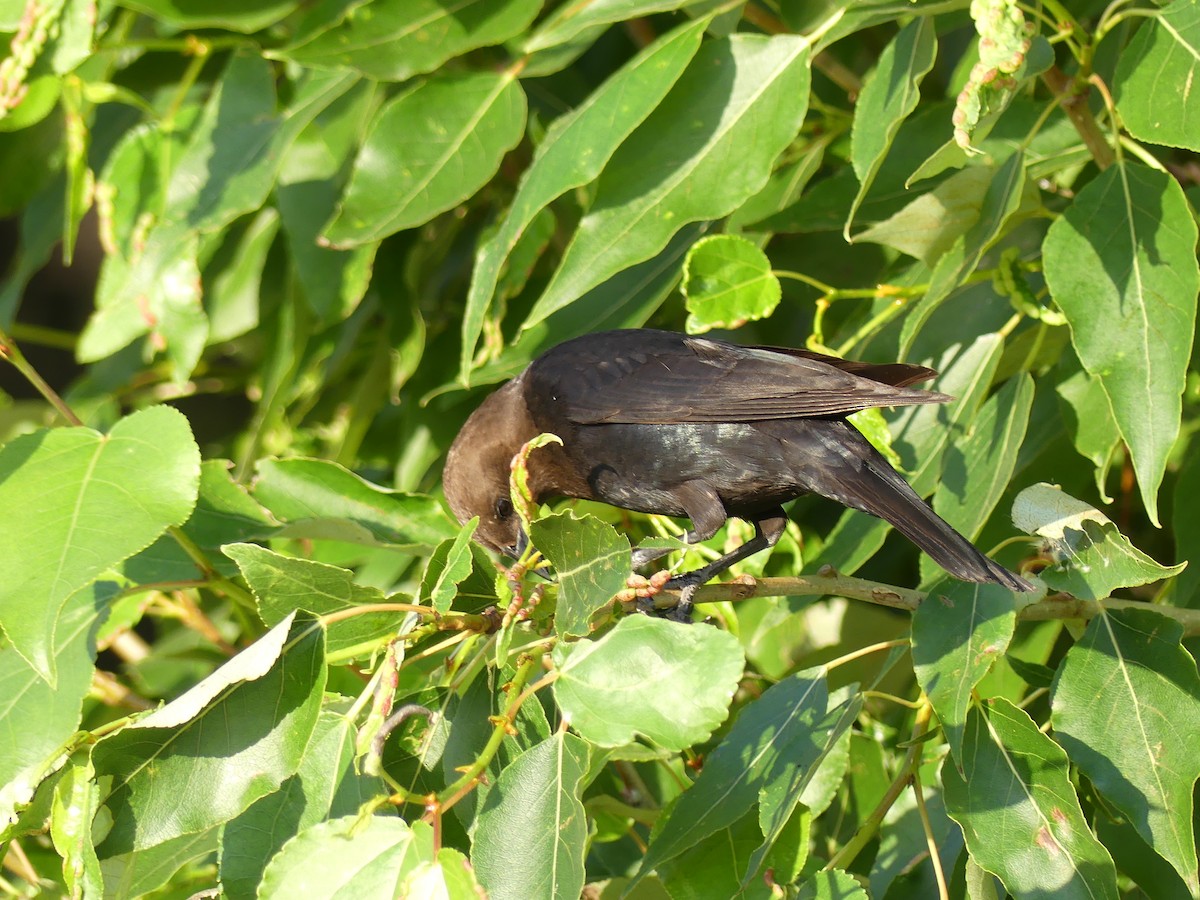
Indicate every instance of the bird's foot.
{"type": "Point", "coordinates": [687, 584]}
{"type": "Point", "coordinates": [642, 590]}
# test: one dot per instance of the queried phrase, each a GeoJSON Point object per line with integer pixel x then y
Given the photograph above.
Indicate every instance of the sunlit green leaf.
{"type": "Point", "coordinates": [393, 40]}
{"type": "Point", "coordinates": [538, 796]}
{"type": "Point", "coordinates": [734, 88]}
{"type": "Point", "coordinates": [1165, 51]}
{"type": "Point", "coordinates": [1121, 264]}
{"type": "Point", "coordinates": [695, 670]}
{"type": "Point", "coordinates": [429, 148]}
{"type": "Point", "coordinates": [73, 487]}
{"type": "Point", "coordinates": [240, 732]}
{"type": "Point", "coordinates": [591, 561]}
{"type": "Point", "coordinates": [1126, 707]}
{"type": "Point", "coordinates": [1019, 812]}
{"type": "Point", "coordinates": [727, 281]}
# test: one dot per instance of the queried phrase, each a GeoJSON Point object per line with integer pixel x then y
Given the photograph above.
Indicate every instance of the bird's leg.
{"type": "Point", "coordinates": [768, 527]}
{"type": "Point", "coordinates": [643, 556]}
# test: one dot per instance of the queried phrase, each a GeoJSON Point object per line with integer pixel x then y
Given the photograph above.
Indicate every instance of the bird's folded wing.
{"type": "Point", "coordinates": [697, 380]}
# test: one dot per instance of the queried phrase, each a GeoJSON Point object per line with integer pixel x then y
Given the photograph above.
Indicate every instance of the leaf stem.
{"type": "Point", "coordinates": [10, 351]}
{"type": "Point", "coordinates": [867, 830]}
{"type": "Point", "coordinates": [866, 651]}
{"type": "Point", "coordinates": [449, 796]}
{"type": "Point", "coordinates": [930, 841]}
{"type": "Point", "coordinates": [1072, 97]}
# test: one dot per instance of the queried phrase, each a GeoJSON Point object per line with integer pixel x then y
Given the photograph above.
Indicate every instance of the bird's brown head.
{"type": "Point", "coordinates": [475, 478]}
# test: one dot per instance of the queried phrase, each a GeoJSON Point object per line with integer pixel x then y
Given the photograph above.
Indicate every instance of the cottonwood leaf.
{"type": "Point", "coordinates": [1126, 707]}
{"type": "Point", "coordinates": [429, 149]}
{"type": "Point", "coordinates": [1164, 52]}
{"type": "Point", "coordinates": [957, 633]}
{"type": "Point", "coordinates": [321, 499]}
{"type": "Point", "coordinates": [393, 40]}
{"type": "Point", "coordinates": [538, 796]}
{"type": "Point", "coordinates": [730, 115]}
{"type": "Point", "coordinates": [591, 561]}
{"type": "Point", "coordinates": [241, 732]}
{"type": "Point", "coordinates": [351, 855]}
{"type": "Point", "coordinates": [1121, 264]}
{"type": "Point", "coordinates": [888, 97]}
{"type": "Point", "coordinates": [575, 150]}
{"type": "Point", "coordinates": [93, 500]}
{"type": "Point", "coordinates": [694, 670]}
{"type": "Point", "coordinates": [727, 282]}
{"type": "Point", "coordinates": [1018, 810]}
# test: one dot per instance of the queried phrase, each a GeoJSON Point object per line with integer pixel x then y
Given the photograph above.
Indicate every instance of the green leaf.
{"type": "Point", "coordinates": [76, 797]}
{"type": "Point", "coordinates": [311, 179]}
{"type": "Point", "coordinates": [325, 786]}
{"type": "Point", "coordinates": [40, 719]}
{"type": "Point", "coordinates": [727, 281]}
{"type": "Point", "coordinates": [1126, 707]}
{"type": "Point", "coordinates": [93, 501]}
{"type": "Point", "coordinates": [1121, 264]}
{"type": "Point", "coordinates": [429, 149]}
{"type": "Point", "coordinates": [694, 669]}
{"type": "Point", "coordinates": [711, 868]}
{"type": "Point", "coordinates": [231, 14]}
{"type": "Point", "coordinates": [1165, 51]}
{"type": "Point", "coordinates": [783, 792]}
{"type": "Point", "coordinates": [771, 751]}
{"type": "Point", "coordinates": [927, 226]}
{"type": "Point", "coordinates": [979, 466]}
{"type": "Point", "coordinates": [1091, 558]}
{"type": "Point", "coordinates": [283, 584]}
{"type": "Point", "coordinates": [321, 499]}
{"type": "Point", "coordinates": [832, 884]}
{"type": "Point", "coordinates": [448, 567]}
{"type": "Point", "coordinates": [394, 40]}
{"type": "Point", "coordinates": [888, 97]}
{"type": "Point", "coordinates": [957, 633]}
{"type": "Point", "coordinates": [1009, 193]}
{"type": "Point", "coordinates": [353, 856]}
{"type": "Point", "coordinates": [472, 725]}
{"type": "Point", "coordinates": [1186, 530]}
{"type": "Point", "coordinates": [224, 514]}
{"type": "Point", "coordinates": [1019, 812]}
{"type": "Point", "coordinates": [600, 124]}
{"type": "Point", "coordinates": [904, 846]}
{"type": "Point", "coordinates": [157, 293]}
{"type": "Point", "coordinates": [537, 796]}
{"type": "Point", "coordinates": [573, 19]}
{"type": "Point", "coordinates": [730, 115]}
{"type": "Point", "coordinates": [592, 563]}
{"type": "Point", "coordinates": [241, 732]}
{"type": "Point", "coordinates": [237, 148]}
{"type": "Point", "coordinates": [1090, 423]}
{"type": "Point", "coordinates": [140, 872]}
{"type": "Point", "coordinates": [232, 289]}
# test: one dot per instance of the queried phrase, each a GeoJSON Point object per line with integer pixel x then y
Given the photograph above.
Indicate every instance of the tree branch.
{"type": "Point", "coordinates": [1054, 606]}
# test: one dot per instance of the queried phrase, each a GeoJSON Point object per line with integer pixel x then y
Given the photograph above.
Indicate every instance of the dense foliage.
{"type": "Point", "coordinates": [328, 228]}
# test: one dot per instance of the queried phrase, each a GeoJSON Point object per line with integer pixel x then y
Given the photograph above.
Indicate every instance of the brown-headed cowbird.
{"type": "Point", "coordinates": [660, 422]}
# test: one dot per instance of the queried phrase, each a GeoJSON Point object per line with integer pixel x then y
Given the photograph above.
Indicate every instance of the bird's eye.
{"type": "Point", "coordinates": [504, 508]}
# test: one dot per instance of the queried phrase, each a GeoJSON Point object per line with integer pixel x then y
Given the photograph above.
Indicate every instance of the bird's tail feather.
{"type": "Point", "coordinates": [878, 489]}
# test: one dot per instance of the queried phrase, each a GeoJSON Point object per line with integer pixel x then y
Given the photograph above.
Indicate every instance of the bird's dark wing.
{"type": "Point", "coordinates": [898, 374]}
{"type": "Point", "coordinates": [658, 377]}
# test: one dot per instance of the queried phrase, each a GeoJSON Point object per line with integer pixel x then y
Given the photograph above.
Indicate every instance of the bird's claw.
{"type": "Point", "coordinates": [641, 590]}
{"type": "Point", "coordinates": [687, 584]}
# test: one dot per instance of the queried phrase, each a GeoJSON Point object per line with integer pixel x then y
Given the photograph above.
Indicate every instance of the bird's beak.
{"type": "Point", "coordinates": [519, 551]}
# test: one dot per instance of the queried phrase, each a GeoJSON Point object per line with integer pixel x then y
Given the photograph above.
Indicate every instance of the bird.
{"type": "Point", "coordinates": [688, 426]}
